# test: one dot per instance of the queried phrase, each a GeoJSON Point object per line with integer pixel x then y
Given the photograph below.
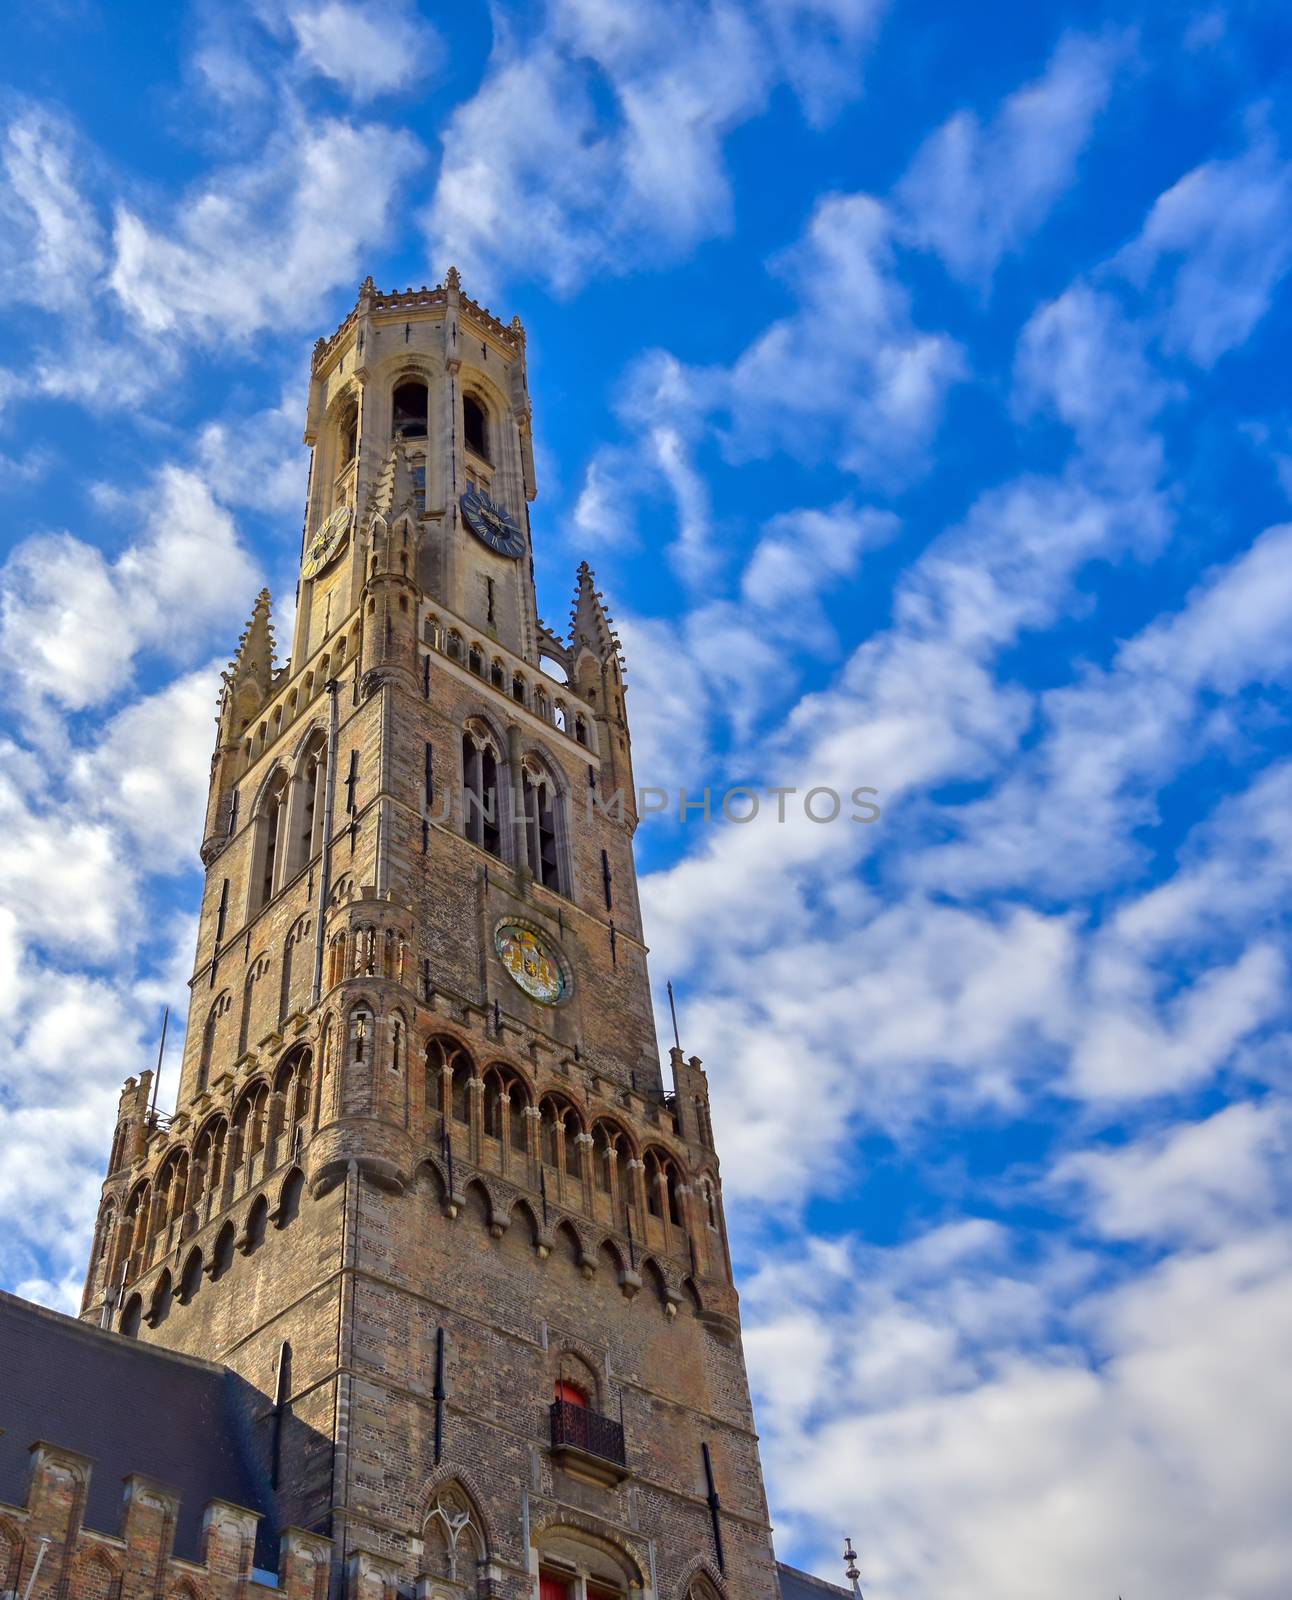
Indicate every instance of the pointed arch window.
{"type": "Point", "coordinates": [662, 1185]}
{"type": "Point", "coordinates": [410, 407]}
{"type": "Point", "coordinates": [310, 821]}
{"type": "Point", "coordinates": [475, 427]}
{"type": "Point", "coordinates": [445, 1058]}
{"type": "Point", "coordinates": [270, 826]}
{"type": "Point", "coordinates": [505, 1102]}
{"type": "Point", "coordinates": [480, 797]}
{"type": "Point", "coordinates": [542, 803]}
{"type": "Point", "coordinates": [208, 1048]}
{"type": "Point", "coordinates": [348, 437]}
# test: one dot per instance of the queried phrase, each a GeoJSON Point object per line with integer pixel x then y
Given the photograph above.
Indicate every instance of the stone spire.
{"type": "Point", "coordinates": [250, 674]}
{"type": "Point", "coordinates": [590, 623]}
{"type": "Point", "coordinates": [395, 490]}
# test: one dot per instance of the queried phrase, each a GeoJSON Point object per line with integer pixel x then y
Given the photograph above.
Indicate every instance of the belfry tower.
{"type": "Point", "coordinates": [425, 1192]}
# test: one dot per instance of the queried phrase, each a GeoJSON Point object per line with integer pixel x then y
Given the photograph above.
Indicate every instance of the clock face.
{"type": "Point", "coordinates": [326, 542]}
{"type": "Point", "coordinates": [532, 963]}
{"type": "Point", "coordinates": [491, 524]}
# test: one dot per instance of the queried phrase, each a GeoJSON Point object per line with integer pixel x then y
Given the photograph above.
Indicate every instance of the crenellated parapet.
{"type": "Point", "coordinates": [48, 1553]}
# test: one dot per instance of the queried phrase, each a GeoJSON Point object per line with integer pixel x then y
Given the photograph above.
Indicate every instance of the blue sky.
{"type": "Point", "coordinates": [914, 377]}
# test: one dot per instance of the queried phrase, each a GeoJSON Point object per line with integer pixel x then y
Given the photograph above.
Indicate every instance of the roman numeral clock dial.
{"type": "Point", "coordinates": [491, 524]}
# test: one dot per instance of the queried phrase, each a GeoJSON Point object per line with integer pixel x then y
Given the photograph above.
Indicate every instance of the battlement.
{"type": "Point", "coordinates": [377, 302]}
{"type": "Point", "coordinates": [48, 1552]}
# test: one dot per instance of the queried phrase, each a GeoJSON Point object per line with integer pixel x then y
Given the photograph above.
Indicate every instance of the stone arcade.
{"type": "Point", "coordinates": [424, 1289]}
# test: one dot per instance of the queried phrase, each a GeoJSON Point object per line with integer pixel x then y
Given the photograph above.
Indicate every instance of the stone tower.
{"type": "Point", "coordinates": [425, 1192]}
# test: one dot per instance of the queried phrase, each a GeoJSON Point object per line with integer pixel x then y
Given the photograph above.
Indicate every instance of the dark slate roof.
{"type": "Point", "coordinates": [796, 1585]}
{"type": "Point", "coordinates": [130, 1407]}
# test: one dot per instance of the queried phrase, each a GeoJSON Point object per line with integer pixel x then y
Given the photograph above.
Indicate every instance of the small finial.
{"type": "Point", "coordinates": [452, 279]}
{"type": "Point", "coordinates": [851, 1571]}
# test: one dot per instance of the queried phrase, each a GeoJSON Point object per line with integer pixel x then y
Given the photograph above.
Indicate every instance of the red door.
{"type": "Point", "coordinates": [551, 1587]}
{"type": "Point", "coordinates": [570, 1394]}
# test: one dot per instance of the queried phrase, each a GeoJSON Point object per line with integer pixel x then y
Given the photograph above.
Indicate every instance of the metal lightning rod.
{"type": "Point", "coordinates": [161, 1051]}
{"type": "Point", "coordinates": [673, 1009]}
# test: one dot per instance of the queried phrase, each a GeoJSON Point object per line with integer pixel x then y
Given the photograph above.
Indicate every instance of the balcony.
{"type": "Point", "coordinates": [587, 1444]}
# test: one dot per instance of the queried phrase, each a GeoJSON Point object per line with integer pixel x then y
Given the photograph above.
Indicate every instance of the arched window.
{"type": "Point", "coordinates": [249, 1121]}
{"type": "Point", "coordinates": [541, 800]}
{"type": "Point", "coordinates": [268, 852]}
{"type": "Point", "coordinates": [310, 821]}
{"type": "Point", "coordinates": [611, 1151]}
{"type": "Point", "coordinates": [208, 1158]}
{"type": "Point", "coordinates": [475, 660]}
{"type": "Point", "coordinates": [291, 948]}
{"type": "Point", "coordinates": [289, 1206]}
{"type": "Point", "coordinates": [452, 1544]}
{"type": "Point", "coordinates": [170, 1193]}
{"type": "Point", "coordinates": [131, 1317]}
{"type": "Point", "coordinates": [558, 1130]}
{"type": "Point", "coordinates": [160, 1304]}
{"type": "Point", "coordinates": [222, 1255]}
{"type": "Point", "coordinates": [360, 1033]}
{"type": "Point", "coordinates": [208, 1048]}
{"type": "Point", "coordinates": [257, 1219]}
{"type": "Point", "coordinates": [475, 428]}
{"type": "Point", "coordinates": [497, 674]}
{"type": "Point", "coordinates": [505, 1101]}
{"type": "Point", "coordinates": [445, 1057]}
{"type": "Point", "coordinates": [349, 437]}
{"type": "Point", "coordinates": [410, 407]}
{"type": "Point", "coordinates": [138, 1208]}
{"type": "Point", "coordinates": [662, 1180]}
{"type": "Point", "coordinates": [255, 972]}
{"type": "Point", "coordinates": [518, 688]}
{"type": "Point", "coordinates": [292, 1084]}
{"type": "Point", "coordinates": [191, 1280]}
{"type": "Point", "coordinates": [480, 800]}
{"type": "Point", "coordinates": [572, 1562]}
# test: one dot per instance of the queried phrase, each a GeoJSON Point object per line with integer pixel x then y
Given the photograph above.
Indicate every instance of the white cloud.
{"type": "Point", "coordinates": [618, 162]}
{"type": "Point", "coordinates": [51, 242]}
{"type": "Point", "coordinates": [72, 623]}
{"type": "Point", "coordinates": [973, 193]}
{"type": "Point", "coordinates": [369, 49]}
{"type": "Point", "coordinates": [1137, 1447]}
{"type": "Point", "coordinates": [258, 459]}
{"type": "Point", "coordinates": [261, 245]}
{"type": "Point", "coordinates": [1196, 1182]}
{"type": "Point", "coordinates": [149, 771]}
{"type": "Point", "coordinates": [63, 880]}
{"type": "Point", "coordinates": [801, 553]}
{"type": "Point", "coordinates": [1066, 818]}
{"type": "Point", "coordinates": [1082, 359]}
{"type": "Point", "coordinates": [1214, 249]}
{"type": "Point", "coordinates": [848, 377]}
{"type": "Point", "coordinates": [820, 44]}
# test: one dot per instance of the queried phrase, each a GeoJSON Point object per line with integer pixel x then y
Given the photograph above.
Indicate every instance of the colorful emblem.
{"type": "Point", "coordinates": [531, 963]}
{"type": "Point", "coordinates": [326, 542]}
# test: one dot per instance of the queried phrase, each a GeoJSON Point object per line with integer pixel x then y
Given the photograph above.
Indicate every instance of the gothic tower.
{"type": "Point", "coordinates": [425, 1191]}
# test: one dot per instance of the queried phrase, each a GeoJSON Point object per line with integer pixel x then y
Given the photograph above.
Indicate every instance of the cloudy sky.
{"type": "Point", "coordinates": [915, 378]}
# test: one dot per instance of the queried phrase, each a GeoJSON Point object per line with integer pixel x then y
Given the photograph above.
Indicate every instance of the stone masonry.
{"type": "Point", "coordinates": [457, 1237]}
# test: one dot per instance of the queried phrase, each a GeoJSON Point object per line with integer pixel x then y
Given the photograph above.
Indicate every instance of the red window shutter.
{"type": "Point", "coordinates": [571, 1394]}
{"type": "Point", "coordinates": [552, 1588]}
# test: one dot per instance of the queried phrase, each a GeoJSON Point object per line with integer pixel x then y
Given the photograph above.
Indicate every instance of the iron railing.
{"type": "Point", "coordinates": [577, 1427]}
